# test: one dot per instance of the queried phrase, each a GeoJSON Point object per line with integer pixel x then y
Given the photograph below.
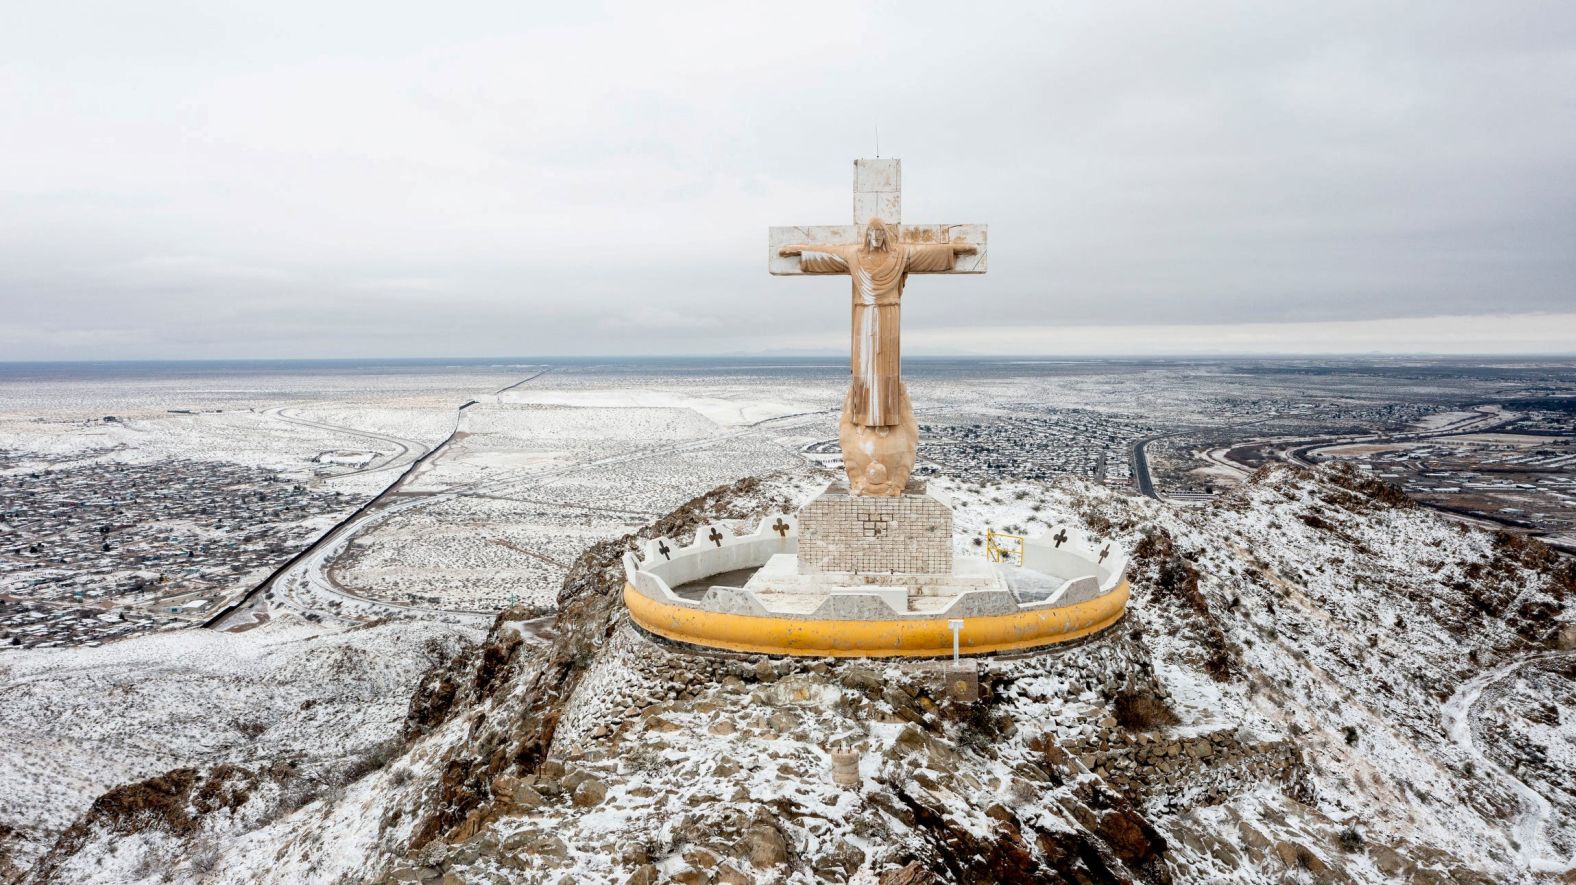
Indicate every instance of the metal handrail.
{"type": "Point", "coordinates": [995, 552]}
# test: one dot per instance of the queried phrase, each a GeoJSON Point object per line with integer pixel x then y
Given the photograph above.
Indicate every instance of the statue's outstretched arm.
{"type": "Point", "coordinates": [817, 259]}
{"type": "Point", "coordinates": [801, 248]}
{"type": "Point", "coordinates": [936, 257]}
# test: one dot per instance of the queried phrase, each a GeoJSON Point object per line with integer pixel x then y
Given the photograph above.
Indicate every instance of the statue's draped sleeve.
{"type": "Point", "coordinates": [937, 258]}
{"type": "Point", "coordinates": [823, 259]}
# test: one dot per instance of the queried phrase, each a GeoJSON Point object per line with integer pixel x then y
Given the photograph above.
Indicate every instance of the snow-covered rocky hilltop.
{"type": "Point", "coordinates": [1316, 681]}
{"type": "Point", "coordinates": [291, 698]}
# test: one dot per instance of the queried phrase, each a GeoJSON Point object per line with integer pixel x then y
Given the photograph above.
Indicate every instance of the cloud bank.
{"type": "Point", "coordinates": [195, 180]}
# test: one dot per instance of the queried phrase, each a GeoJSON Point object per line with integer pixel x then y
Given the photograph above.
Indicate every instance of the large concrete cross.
{"type": "Point", "coordinates": [878, 193]}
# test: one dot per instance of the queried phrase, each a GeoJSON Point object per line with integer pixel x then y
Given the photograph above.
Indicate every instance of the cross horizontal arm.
{"type": "Point", "coordinates": [847, 234]}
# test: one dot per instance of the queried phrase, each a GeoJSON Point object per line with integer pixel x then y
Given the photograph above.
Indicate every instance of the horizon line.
{"type": "Point", "coordinates": [541, 359]}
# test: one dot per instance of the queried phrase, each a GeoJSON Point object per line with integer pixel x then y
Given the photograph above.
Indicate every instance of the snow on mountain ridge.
{"type": "Point", "coordinates": [1274, 709]}
{"type": "Point", "coordinates": [76, 722]}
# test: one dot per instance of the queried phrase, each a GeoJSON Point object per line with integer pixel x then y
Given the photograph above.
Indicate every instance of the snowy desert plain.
{"type": "Point", "coordinates": [360, 622]}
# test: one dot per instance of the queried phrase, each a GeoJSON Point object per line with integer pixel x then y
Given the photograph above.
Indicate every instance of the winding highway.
{"type": "Point", "coordinates": [1488, 419]}
{"type": "Point", "coordinates": [1140, 459]}
{"type": "Point", "coordinates": [309, 588]}
{"type": "Point", "coordinates": [306, 584]}
{"type": "Point", "coordinates": [1146, 484]}
{"type": "Point", "coordinates": [409, 451]}
{"type": "Point", "coordinates": [1301, 451]}
{"type": "Point", "coordinates": [308, 570]}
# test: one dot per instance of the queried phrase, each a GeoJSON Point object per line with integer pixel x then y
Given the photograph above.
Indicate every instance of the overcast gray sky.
{"type": "Point", "coordinates": [383, 179]}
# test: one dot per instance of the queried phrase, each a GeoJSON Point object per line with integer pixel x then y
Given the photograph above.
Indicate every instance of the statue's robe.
{"type": "Point", "coordinates": [878, 277]}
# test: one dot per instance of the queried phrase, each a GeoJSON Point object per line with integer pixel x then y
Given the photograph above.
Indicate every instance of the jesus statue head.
{"type": "Point", "coordinates": [877, 237]}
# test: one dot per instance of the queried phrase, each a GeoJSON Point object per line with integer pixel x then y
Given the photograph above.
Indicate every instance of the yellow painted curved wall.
{"type": "Point", "coordinates": [927, 637]}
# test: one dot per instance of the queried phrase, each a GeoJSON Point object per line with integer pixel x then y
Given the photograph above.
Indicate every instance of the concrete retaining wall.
{"type": "Point", "coordinates": [922, 636]}
{"type": "Point", "coordinates": [874, 621]}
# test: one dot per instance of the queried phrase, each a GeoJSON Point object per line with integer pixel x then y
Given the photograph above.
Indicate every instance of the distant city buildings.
{"type": "Point", "coordinates": [1082, 443]}
{"type": "Point", "coordinates": [91, 551]}
{"type": "Point", "coordinates": [1522, 474]}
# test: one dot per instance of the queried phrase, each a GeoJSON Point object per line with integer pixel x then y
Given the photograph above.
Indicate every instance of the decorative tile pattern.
{"type": "Point", "coordinates": [910, 534]}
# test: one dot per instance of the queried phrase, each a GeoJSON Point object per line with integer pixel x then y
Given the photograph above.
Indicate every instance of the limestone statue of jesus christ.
{"type": "Point", "coordinates": [879, 267]}
{"type": "Point", "coordinates": [877, 405]}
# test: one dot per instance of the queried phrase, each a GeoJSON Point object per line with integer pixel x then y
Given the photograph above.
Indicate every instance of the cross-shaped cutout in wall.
{"type": "Point", "coordinates": [715, 537]}
{"type": "Point", "coordinates": [1104, 552]}
{"type": "Point", "coordinates": [1060, 537]}
{"type": "Point", "coordinates": [662, 548]}
{"type": "Point", "coordinates": [780, 527]}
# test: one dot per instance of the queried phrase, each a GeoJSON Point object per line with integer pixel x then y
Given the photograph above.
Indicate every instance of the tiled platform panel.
{"type": "Point", "coordinates": [910, 534]}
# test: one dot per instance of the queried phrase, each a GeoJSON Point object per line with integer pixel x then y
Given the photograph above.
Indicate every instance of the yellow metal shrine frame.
{"type": "Point", "coordinates": [996, 552]}
{"type": "Point", "coordinates": [896, 637]}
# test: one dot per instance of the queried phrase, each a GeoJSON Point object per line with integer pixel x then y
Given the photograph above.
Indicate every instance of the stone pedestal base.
{"type": "Point", "coordinates": [908, 534]}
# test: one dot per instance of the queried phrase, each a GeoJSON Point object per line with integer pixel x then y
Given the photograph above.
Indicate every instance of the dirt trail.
{"type": "Point", "coordinates": [1527, 829]}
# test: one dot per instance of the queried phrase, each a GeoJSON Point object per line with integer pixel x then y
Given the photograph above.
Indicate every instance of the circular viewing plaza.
{"type": "Point", "coordinates": [873, 577]}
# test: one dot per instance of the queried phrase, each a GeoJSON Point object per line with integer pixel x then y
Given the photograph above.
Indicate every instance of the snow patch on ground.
{"type": "Point", "coordinates": [75, 722]}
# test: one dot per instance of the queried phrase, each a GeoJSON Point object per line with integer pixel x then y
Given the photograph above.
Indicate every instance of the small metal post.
{"type": "Point", "coordinates": [956, 624]}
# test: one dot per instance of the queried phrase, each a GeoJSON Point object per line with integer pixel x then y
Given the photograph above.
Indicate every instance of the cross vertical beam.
{"type": "Point", "coordinates": [878, 191]}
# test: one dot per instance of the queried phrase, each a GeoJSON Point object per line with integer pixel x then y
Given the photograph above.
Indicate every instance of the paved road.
{"type": "Point", "coordinates": [1140, 465]}
{"type": "Point", "coordinates": [1146, 485]}
{"type": "Point", "coordinates": [308, 587]}
{"type": "Point", "coordinates": [288, 577]}
{"type": "Point", "coordinates": [1300, 452]}
{"type": "Point", "coordinates": [408, 450]}
{"type": "Point", "coordinates": [307, 584]}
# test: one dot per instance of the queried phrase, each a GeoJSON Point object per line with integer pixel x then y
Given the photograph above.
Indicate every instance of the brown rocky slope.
{"type": "Point", "coordinates": [1271, 710]}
